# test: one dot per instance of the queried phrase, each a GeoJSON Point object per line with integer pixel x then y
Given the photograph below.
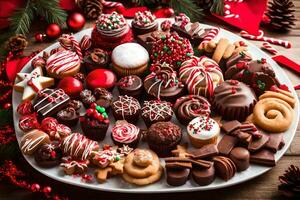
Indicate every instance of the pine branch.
{"type": "Point", "coordinates": [21, 20]}
{"type": "Point", "coordinates": [51, 11]}
{"type": "Point", "coordinates": [189, 7]}
{"type": "Point", "coordinates": [218, 7]}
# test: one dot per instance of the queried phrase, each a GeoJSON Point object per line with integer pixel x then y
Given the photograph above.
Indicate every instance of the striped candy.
{"type": "Point", "coordinates": [267, 46]}
{"type": "Point", "coordinates": [211, 35]}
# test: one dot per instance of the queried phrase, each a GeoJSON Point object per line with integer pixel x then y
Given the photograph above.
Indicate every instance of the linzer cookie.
{"type": "Point", "coordinates": [50, 101]}
{"type": "Point", "coordinates": [234, 100]}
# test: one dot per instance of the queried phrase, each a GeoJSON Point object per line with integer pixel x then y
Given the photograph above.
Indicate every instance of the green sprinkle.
{"type": "Point", "coordinates": [117, 158]}
{"type": "Point", "coordinates": [178, 63]}
{"type": "Point", "coordinates": [104, 115]}
{"type": "Point", "coordinates": [163, 37]}
{"type": "Point", "coordinates": [188, 54]}
{"type": "Point", "coordinates": [165, 48]}
{"type": "Point", "coordinates": [242, 54]}
{"type": "Point", "coordinates": [169, 52]}
{"type": "Point", "coordinates": [155, 54]}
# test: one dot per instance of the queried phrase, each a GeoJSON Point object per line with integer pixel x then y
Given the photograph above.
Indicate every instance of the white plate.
{"type": "Point", "coordinates": [116, 184]}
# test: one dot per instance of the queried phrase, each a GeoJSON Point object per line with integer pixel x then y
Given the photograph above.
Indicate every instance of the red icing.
{"type": "Point", "coordinates": [103, 78]}
{"type": "Point", "coordinates": [71, 86]}
{"type": "Point", "coordinates": [49, 124]}
{"type": "Point", "coordinates": [25, 108]}
{"type": "Point", "coordinates": [28, 122]}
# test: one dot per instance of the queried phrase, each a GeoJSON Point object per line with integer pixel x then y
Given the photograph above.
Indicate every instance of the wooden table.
{"type": "Point", "coordinates": [262, 187]}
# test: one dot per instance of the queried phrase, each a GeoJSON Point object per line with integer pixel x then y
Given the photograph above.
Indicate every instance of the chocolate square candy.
{"type": "Point", "coordinates": [147, 40]}
{"type": "Point", "coordinates": [230, 126]}
{"type": "Point", "coordinates": [50, 101]}
{"type": "Point", "coordinates": [275, 142]}
{"type": "Point", "coordinates": [205, 151]}
{"type": "Point", "coordinates": [226, 144]}
{"type": "Point", "coordinates": [263, 157]}
{"type": "Point", "coordinates": [257, 144]}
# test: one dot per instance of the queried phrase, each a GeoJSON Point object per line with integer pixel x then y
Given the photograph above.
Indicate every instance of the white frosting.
{"type": "Point", "coordinates": [130, 55]}
{"type": "Point", "coordinates": [203, 128]}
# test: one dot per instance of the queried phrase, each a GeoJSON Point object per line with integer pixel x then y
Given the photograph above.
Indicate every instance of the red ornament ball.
{"type": "Point", "coordinates": [104, 78]}
{"type": "Point", "coordinates": [71, 86]}
{"type": "Point", "coordinates": [53, 31]}
{"type": "Point", "coordinates": [7, 106]}
{"type": "Point", "coordinates": [40, 37]}
{"type": "Point", "coordinates": [169, 12]}
{"type": "Point", "coordinates": [75, 21]}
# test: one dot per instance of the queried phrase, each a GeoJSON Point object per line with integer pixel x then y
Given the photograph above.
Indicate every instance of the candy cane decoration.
{"type": "Point", "coordinates": [73, 44]}
{"type": "Point", "coordinates": [269, 48]}
{"type": "Point", "coordinates": [261, 37]}
{"type": "Point", "coordinates": [210, 36]}
{"type": "Point", "coordinates": [111, 4]}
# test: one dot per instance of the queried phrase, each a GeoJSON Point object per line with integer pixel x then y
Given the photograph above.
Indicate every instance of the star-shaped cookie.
{"type": "Point", "coordinates": [31, 83]}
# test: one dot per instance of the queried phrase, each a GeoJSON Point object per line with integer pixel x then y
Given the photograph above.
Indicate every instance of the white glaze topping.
{"type": "Point", "coordinates": [203, 128]}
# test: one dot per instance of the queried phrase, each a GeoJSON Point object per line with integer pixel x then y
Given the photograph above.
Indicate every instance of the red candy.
{"type": "Point", "coordinates": [103, 78]}
{"type": "Point", "coordinates": [49, 124]}
{"type": "Point", "coordinates": [28, 122]}
{"type": "Point", "coordinates": [25, 108]}
{"type": "Point", "coordinates": [71, 86]}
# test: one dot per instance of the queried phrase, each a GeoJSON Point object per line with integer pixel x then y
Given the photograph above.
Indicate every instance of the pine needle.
{"type": "Point", "coordinates": [21, 20]}
{"type": "Point", "coordinates": [188, 7]}
{"type": "Point", "coordinates": [217, 7]}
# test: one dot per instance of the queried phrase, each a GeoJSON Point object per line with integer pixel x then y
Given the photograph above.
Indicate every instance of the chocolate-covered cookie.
{"type": "Point", "coordinates": [241, 158]}
{"type": "Point", "coordinates": [48, 155]}
{"type": "Point", "coordinates": [234, 100]}
{"type": "Point", "coordinates": [130, 85]}
{"type": "Point", "coordinates": [95, 59]}
{"type": "Point", "coordinates": [243, 56]}
{"type": "Point", "coordinates": [68, 116]}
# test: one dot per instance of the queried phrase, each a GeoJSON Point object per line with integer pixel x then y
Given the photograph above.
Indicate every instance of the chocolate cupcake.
{"type": "Point", "coordinates": [87, 98]}
{"type": "Point", "coordinates": [258, 74]}
{"type": "Point", "coordinates": [124, 133]}
{"type": "Point", "coordinates": [48, 155]}
{"type": "Point", "coordinates": [162, 137]}
{"type": "Point", "coordinates": [126, 108]}
{"type": "Point", "coordinates": [75, 104]}
{"type": "Point", "coordinates": [234, 100]}
{"type": "Point", "coordinates": [95, 122]}
{"type": "Point", "coordinates": [95, 59]}
{"type": "Point", "coordinates": [144, 22]}
{"type": "Point", "coordinates": [156, 111]}
{"type": "Point", "coordinates": [130, 85]}
{"type": "Point", "coordinates": [68, 116]}
{"type": "Point", "coordinates": [103, 98]}
{"type": "Point", "coordinates": [189, 107]}
{"type": "Point", "coordinates": [163, 83]}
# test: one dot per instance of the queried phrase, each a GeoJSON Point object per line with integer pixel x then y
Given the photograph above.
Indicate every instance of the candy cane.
{"type": "Point", "coordinates": [210, 35]}
{"type": "Point", "coordinates": [260, 37]}
{"type": "Point", "coordinates": [111, 4]}
{"type": "Point", "coordinates": [269, 48]}
{"type": "Point", "coordinates": [73, 45]}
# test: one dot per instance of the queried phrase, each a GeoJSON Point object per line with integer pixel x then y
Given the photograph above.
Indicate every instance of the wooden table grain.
{"type": "Point", "coordinates": [262, 187]}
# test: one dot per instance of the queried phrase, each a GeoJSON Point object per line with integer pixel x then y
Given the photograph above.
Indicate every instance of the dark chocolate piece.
{"type": "Point", "coordinates": [226, 144]}
{"type": "Point", "coordinates": [50, 101]}
{"type": "Point", "coordinates": [178, 165]}
{"type": "Point", "coordinates": [48, 155]}
{"type": "Point", "coordinates": [274, 142]}
{"type": "Point", "coordinates": [68, 116]}
{"type": "Point", "coordinates": [225, 167]}
{"type": "Point", "coordinates": [230, 126]}
{"type": "Point", "coordinates": [257, 144]}
{"type": "Point", "coordinates": [103, 98]}
{"type": "Point", "coordinates": [177, 177]}
{"type": "Point", "coordinates": [130, 85]}
{"type": "Point", "coordinates": [203, 176]}
{"type": "Point", "coordinates": [205, 151]}
{"type": "Point", "coordinates": [202, 163]}
{"type": "Point", "coordinates": [263, 157]}
{"type": "Point", "coordinates": [147, 40]}
{"type": "Point", "coordinates": [241, 158]}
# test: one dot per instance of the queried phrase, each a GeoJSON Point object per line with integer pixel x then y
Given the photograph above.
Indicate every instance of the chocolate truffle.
{"type": "Point", "coordinates": [163, 83]}
{"type": "Point", "coordinates": [75, 104]}
{"type": "Point", "coordinates": [130, 85]}
{"type": "Point", "coordinates": [203, 176]}
{"type": "Point", "coordinates": [68, 116]}
{"type": "Point", "coordinates": [95, 59]}
{"type": "Point", "coordinates": [177, 177]}
{"type": "Point", "coordinates": [156, 111]}
{"type": "Point", "coordinates": [241, 158]}
{"type": "Point", "coordinates": [48, 155]}
{"type": "Point", "coordinates": [234, 100]}
{"type": "Point", "coordinates": [95, 122]}
{"type": "Point", "coordinates": [103, 98]}
{"type": "Point", "coordinates": [126, 108]}
{"type": "Point", "coordinates": [225, 167]}
{"type": "Point", "coordinates": [87, 98]}
{"type": "Point", "coordinates": [144, 22]}
{"type": "Point", "coordinates": [124, 133]}
{"type": "Point", "coordinates": [191, 106]}
{"type": "Point", "coordinates": [162, 137]}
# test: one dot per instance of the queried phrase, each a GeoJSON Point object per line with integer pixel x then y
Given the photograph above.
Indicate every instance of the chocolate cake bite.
{"type": "Point", "coordinates": [130, 85]}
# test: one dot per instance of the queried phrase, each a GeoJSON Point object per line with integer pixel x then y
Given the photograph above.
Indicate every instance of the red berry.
{"type": "Point", "coordinates": [93, 105]}
{"type": "Point", "coordinates": [47, 189]}
{"type": "Point", "coordinates": [89, 112]}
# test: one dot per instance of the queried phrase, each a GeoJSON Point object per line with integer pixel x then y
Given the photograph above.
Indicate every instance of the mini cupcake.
{"type": "Point", "coordinates": [124, 133]}
{"type": "Point", "coordinates": [126, 108]}
{"type": "Point", "coordinates": [110, 31]}
{"type": "Point", "coordinates": [156, 111]}
{"type": "Point", "coordinates": [95, 59]}
{"type": "Point", "coordinates": [144, 22]}
{"type": "Point", "coordinates": [163, 137]}
{"type": "Point", "coordinates": [129, 59]}
{"type": "Point", "coordinates": [95, 122]}
{"type": "Point", "coordinates": [203, 130]}
{"type": "Point", "coordinates": [163, 83]}
{"type": "Point", "coordinates": [68, 116]}
{"type": "Point", "coordinates": [130, 85]}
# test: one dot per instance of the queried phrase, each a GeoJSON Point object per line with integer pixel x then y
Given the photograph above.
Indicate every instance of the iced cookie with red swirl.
{"type": "Point", "coordinates": [156, 111]}
{"type": "Point", "coordinates": [144, 22]}
{"type": "Point", "coordinates": [203, 130]}
{"type": "Point", "coordinates": [110, 31]}
{"type": "Point", "coordinates": [191, 106]}
{"type": "Point", "coordinates": [163, 83]}
{"type": "Point", "coordinates": [124, 133]}
{"type": "Point", "coordinates": [201, 76]}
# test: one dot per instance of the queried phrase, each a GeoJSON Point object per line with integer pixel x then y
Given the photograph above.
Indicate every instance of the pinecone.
{"type": "Point", "coordinates": [91, 8]}
{"type": "Point", "coordinates": [290, 182]}
{"type": "Point", "coordinates": [205, 4]}
{"type": "Point", "coordinates": [16, 43]}
{"type": "Point", "coordinates": [281, 14]}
